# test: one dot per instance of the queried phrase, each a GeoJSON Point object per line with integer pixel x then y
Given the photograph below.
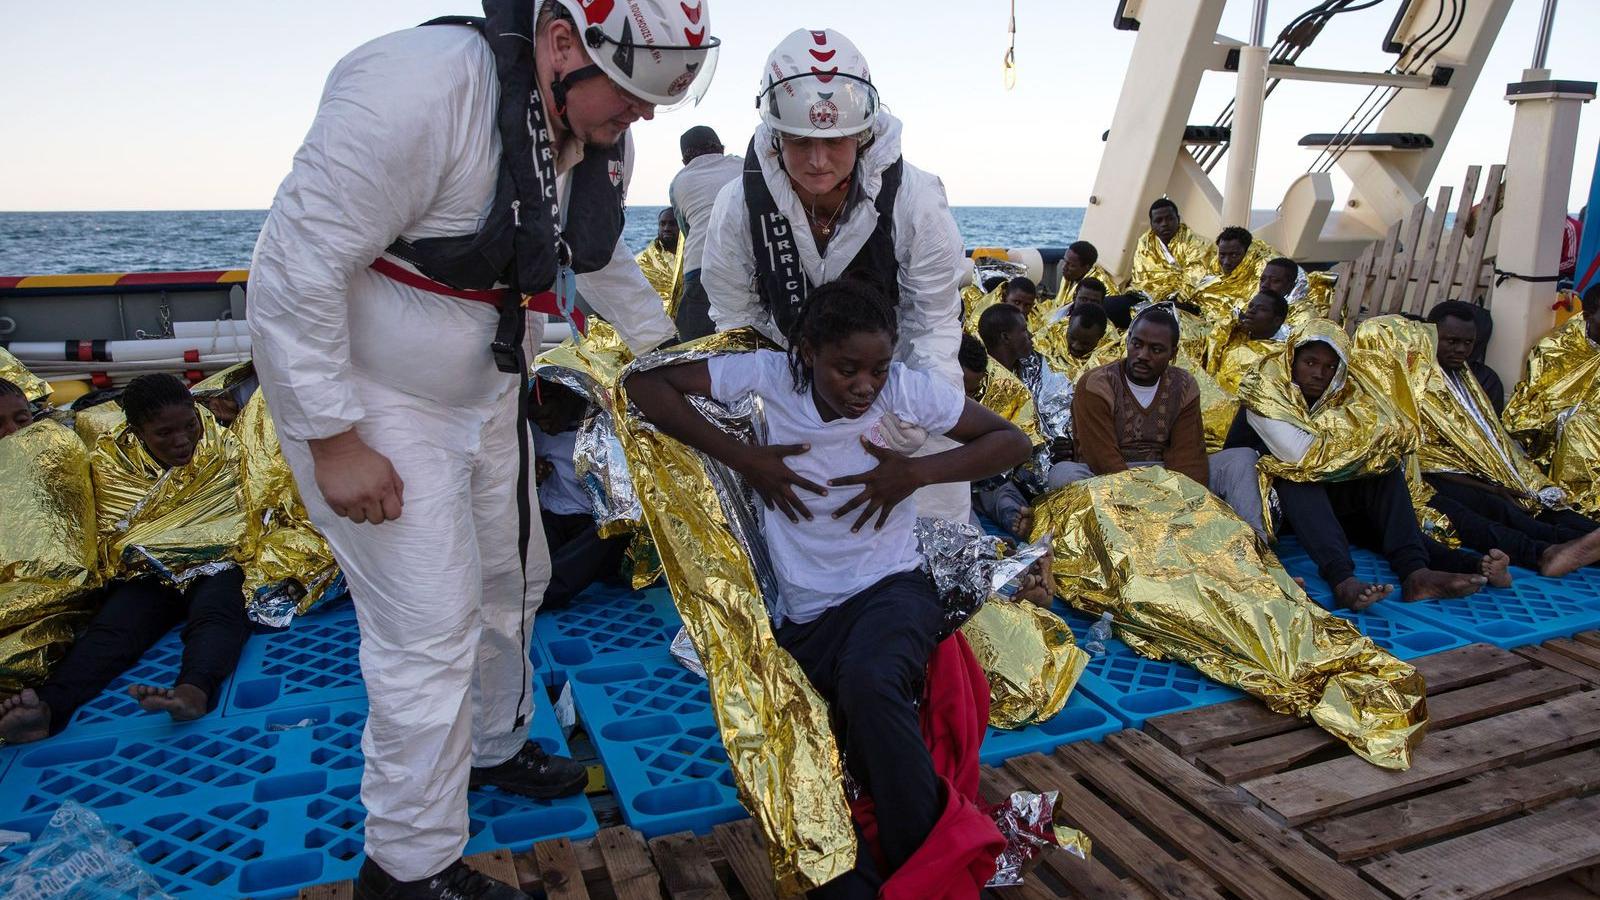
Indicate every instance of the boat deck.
{"type": "Point", "coordinates": [1233, 800]}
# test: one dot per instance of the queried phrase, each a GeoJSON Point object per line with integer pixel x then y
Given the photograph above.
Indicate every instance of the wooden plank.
{"type": "Point", "coordinates": [1394, 295]}
{"type": "Point", "coordinates": [1383, 265]}
{"type": "Point", "coordinates": [1359, 277]}
{"type": "Point", "coordinates": [1240, 873]}
{"type": "Point", "coordinates": [1089, 877]}
{"type": "Point", "coordinates": [496, 864]}
{"type": "Point", "coordinates": [1343, 274]}
{"type": "Point", "coordinates": [1193, 730]}
{"type": "Point", "coordinates": [560, 875]}
{"type": "Point", "coordinates": [587, 854]}
{"type": "Point", "coordinates": [1445, 710]}
{"type": "Point", "coordinates": [1350, 783]}
{"type": "Point", "coordinates": [1500, 859]}
{"type": "Point", "coordinates": [1225, 806]}
{"type": "Point", "coordinates": [684, 868]}
{"type": "Point", "coordinates": [1548, 657]}
{"type": "Point", "coordinates": [1592, 638]}
{"type": "Point", "coordinates": [1430, 253]}
{"type": "Point", "coordinates": [1480, 234]}
{"type": "Point", "coordinates": [1476, 802]}
{"type": "Point", "coordinates": [741, 843]}
{"type": "Point", "coordinates": [1458, 233]}
{"type": "Point", "coordinates": [1576, 650]}
{"type": "Point", "coordinates": [1113, 835]}
{"type": "Point", "coordinates": [628, 864]}
{"type": "Point", "coordinates": [338, 890]}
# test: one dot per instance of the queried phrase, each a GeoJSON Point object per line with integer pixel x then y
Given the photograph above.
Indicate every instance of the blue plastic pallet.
{"type": "Point", "coordinates": [1081, 720]}
{"type": "Point", "coordinates": [1135, 688]}
{"type": "Point", "coordinates": [243, 809]}
{"type": "Point", "coordinates": [651, 724]}
{"type": "Point", "coordinates": [604, 625]}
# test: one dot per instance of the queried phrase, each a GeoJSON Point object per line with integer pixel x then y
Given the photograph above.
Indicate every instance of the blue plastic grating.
{"type": "Point", "coordinates": [1533, 609]}
{"type": "Point", "coordinates": [113, 711]}
{"type": "Point", "coordinates": [291, 818]}
{"type": "Point", "coordinates": [651, 724]}
{"type": "Point", "coordinates": [1136, 688]}
{"type": "Point", "coordinates": [314, 660]}
{"type": "Point", "coordinates": [607, 624]}
{"type": "Point", "coordinates": [1081, 720]}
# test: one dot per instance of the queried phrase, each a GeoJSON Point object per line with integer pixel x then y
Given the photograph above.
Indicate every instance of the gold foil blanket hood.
{"type": "Point", "coordinates": [1185, 579]}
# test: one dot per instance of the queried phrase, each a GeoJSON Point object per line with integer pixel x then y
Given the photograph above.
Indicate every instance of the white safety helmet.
{"type": "Point", "coordinates": [816, 84]}
{"type": "Point", "coordinates": [658, 50]}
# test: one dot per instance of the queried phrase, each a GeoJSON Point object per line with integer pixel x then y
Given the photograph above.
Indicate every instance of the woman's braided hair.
{"type": "Point", "coordinates": [147, 395]}
{"type": "Point", "coordinates": [833, 312]}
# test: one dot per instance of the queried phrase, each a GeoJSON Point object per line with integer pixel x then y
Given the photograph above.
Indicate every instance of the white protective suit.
{"type": "Point", "coordinates": [404, 143]}
{"type": "Point", "coordinates": [928, 248]}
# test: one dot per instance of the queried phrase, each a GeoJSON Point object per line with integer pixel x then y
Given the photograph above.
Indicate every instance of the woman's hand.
{"type": "Point", "coordinates": [892, 480]}
{"type": "Point", "coordinates": [764, 469]}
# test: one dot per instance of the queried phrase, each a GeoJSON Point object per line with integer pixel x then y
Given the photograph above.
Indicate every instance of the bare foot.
{"type": "Point", "coordinates": [1022, 524]}
{"type": "Point", "coordinates": [183, 702]}
{"type": "Point", "coordinates": [1355, 595]}
{"type": "Point", "coordinates": [1427, 584]}
{"type": "Point", "coordinates": [24, 718]}
{"type": "Point", "coordinates": [1496, 566]}
{"type": "Point", "coordinates": [1564, 559]}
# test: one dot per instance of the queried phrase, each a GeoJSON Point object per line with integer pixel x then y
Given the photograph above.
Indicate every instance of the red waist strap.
{"type": "Point", "coordinates": [544, 302]}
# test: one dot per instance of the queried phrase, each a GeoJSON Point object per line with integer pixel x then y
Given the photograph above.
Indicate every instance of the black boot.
{"type": "Point", "coordinates": [458, 881]}
{"type": "Point", "coordinates": [534, 773]}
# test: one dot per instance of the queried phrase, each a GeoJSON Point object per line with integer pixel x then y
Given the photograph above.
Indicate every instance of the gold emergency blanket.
{"type": "Point", "coordinates": [1217, 406]}
{"type": "Point", "coordinates": [1233, 354]}
{"type": "Point", "coordinates": [1452, 439]}
{"type": "Point", "coordinates": [101, 419]}
{"type": "Point", "coordinates": [11, 369]}
{"type": "Point", "coordinates": [174, 523]}
{"type": "Point", "coordinates": [1173, 273]}
{"type": "Point", "coordinates": [664, 270]}
{"type": "Point", "coordinates": [1044, 312]}
{"type": "Point", "coordinates": [774, 725]}
{"type": "Point", "coordinates": [49, 562]}
{"type": "Point", "coordinates": [1315, 303]}
{"type": "Point", "coordinates": [1223, 296]}
{"type": "Point", "coordinates": [1006, 396]}
{"type": "Point", "coordinates": [1054, 345]}
{"type": "Point", "coordinates": [1185, 579]}
{"type": "Point", "coordinates": [980, 303]}
{"type": "Point", "coordinates": [1030, 658]}
{"type": "Point", "coordinates": [1555, 412]}
{"type": "Point", "coordinates": [287, 563]}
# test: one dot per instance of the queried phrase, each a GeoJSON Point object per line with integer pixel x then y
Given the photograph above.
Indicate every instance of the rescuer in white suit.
{"type": "Point", "coordinates": [825, 194]}
{"type": "Point", "coordinates": [377, 289]}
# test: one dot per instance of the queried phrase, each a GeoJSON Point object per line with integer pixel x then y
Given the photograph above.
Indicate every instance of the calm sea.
{"type": "Point", "coordinates": [67, 242]}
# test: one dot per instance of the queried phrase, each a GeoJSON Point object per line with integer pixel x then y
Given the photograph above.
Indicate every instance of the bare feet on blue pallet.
{"type": "Point", "coordinates": [1496, 566]}
{"type": "Point", "coordinates": [1355, 595]}
{"type": "Point", "coordinates": [24, 718]}
{"type": "Point", "coordinates": [1429, 584]}
{"type": "Point", "coordinates": [1564, 559]}
{"type": "Point", "coordinates": [183, 702]}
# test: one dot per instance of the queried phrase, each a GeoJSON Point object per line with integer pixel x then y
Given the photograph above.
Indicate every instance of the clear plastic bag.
{"type": "Point", "coordinates": [77, 858]}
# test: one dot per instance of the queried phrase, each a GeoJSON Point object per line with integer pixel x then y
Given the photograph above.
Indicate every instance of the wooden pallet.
{"type": "Point", "coordinates": [1504, 792]}
{"type": "Point", "coordinates": [1235, 801]}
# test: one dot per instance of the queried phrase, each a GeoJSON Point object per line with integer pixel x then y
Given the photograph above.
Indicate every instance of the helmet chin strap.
{"type": "Point", "coordinates": [561, 84]}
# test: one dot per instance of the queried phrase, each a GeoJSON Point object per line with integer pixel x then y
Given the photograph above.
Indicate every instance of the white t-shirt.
{"type": "Point", "coordinates": [820, 563]}
{"type": "Point", "coordinates": [693, 193]}
{"type": "Point", "coordinates": [561, 493]}
{"type": "Point", "coordinates": [1145, 394]}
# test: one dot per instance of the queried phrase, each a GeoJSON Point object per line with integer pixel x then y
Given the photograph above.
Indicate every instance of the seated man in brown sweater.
{"type": "Point", "coordinates": [1143, 411]}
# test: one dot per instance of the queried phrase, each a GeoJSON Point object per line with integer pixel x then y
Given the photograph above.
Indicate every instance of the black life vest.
{"type": "Point", "coordinates": [781, 281]}
{"type": "Point", "coordinates": [522, 241]}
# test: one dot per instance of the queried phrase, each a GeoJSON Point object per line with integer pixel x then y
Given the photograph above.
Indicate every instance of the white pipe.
{"type": "Point", "coordinates": [1258, 24]}
{"type": "Point", "coordinates": [135, 351]}
{"type": "Point", "coordinates": [1245, 142]}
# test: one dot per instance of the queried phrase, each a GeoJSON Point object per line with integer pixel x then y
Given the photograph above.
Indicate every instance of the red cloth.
{"type": "Point", "coordinates": [958, 857]}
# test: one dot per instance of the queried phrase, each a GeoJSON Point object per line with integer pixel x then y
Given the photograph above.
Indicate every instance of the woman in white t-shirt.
{"type": "Point", "coordinates": [855, 606]}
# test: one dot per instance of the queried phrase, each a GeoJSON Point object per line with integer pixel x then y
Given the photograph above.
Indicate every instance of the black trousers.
{"type": "Point", "coordinates": [134, 616]}
{"type": "Point", "coordinates": [579, 556]}
{"type": "Point", "coordinates": [1487, 521]}
{"type": "Point", "coordinates": [868, 658]}
{"type": "Point", "coordinates": [1377, 509]}
{"type": "Point", "coordinates": [694, 309]}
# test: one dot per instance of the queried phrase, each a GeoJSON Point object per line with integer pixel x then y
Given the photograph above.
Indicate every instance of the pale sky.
{"type": "Point", "coordinates": [182, 104]}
